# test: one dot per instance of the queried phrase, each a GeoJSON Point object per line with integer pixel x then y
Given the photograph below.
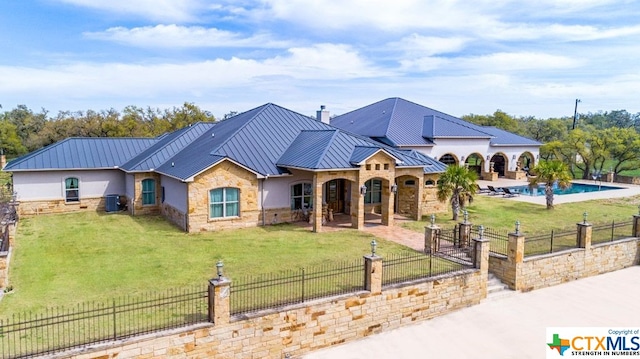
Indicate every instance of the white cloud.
{"type": "Point", "coordinates": [174, 36]}
{"type": "Point", "coordinates": [418, 45]}
{"type": "Point", "coordinates": [160, 10]}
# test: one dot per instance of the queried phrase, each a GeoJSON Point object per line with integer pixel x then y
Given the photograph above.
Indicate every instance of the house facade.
{"type": "Point", "coordinates": [489, 151]}
{"type": "Point", "coordinates": [263, 166]}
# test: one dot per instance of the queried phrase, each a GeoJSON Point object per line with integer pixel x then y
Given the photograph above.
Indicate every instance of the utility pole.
{"type": "Point", "coordinates": [575, 115]}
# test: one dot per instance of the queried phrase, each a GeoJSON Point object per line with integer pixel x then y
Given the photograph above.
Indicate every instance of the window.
{"type": "Point", "coordinates": [386, 166]}
{"type": "Point", "coordinates": [429, 182]}
{"type": "Point", "coordinates": [71, 190]}
{"type": "Point", "coordinates": [148, 191]}
{"type": "Point", "coordinates": [301, 196]}
{"type": "Point", "coordinates": [374, 191]}
{"type": "Point", "coordinates": [410, 183]}
{"type": "Point", "coordinates": [368, 167]}
{"type": "Point", "coordinates": [224, 202]}
{"type": "Point", "coordinates": [377, 167]}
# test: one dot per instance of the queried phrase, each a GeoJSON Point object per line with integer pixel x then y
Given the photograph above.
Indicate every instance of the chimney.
{"type": "Point", "coordinates": [322, 115]}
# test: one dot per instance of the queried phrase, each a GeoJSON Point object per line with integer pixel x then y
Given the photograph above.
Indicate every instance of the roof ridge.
{"type": "Point", "coordinates": [260, 109]}
{"type": "Point", "coordinates": [326, 148]}
{"type": "Point", "coordinates": [391, 116]}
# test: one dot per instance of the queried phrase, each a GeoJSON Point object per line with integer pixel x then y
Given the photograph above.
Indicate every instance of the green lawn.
{"type": "Point", "coordinates": [71, 258]}
{"type": "Point", "coordinates": [501, 214]}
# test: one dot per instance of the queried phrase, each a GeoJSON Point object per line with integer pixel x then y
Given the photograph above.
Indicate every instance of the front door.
{"type": "Point", "coordinates": [335, 195]}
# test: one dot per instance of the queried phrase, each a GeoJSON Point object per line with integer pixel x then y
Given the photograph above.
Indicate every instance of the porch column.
{"type": "Point", "coordinates": [357, 206]}
{"type": "Point", "coordinates": [419, 198]}
{"type": "Point", "coordinates": [317, 204]}
{"type": "Point", "coordinates": [386, 208]}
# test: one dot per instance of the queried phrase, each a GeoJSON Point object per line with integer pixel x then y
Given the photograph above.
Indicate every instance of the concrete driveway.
{"type": "Point", "coordinates": [509, 327]}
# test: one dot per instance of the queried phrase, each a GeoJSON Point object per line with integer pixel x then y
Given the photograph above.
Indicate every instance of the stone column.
{"type": "Point", "coordinates": [584, 235]}
{"type": "Point", "coordinates": [481, 261]}
{"type": "Point", "coordinates": [357, 206]}
{"type": "Point", "coordinates": [219, 308]}
{"type": "Point", "coordinates": [373, 274]}
{"type": "Point", "coordinates": [317, 204]}
{"type": "Point", "coordinates": [388, 197]}
{"type": "Point", "coordinates": [464, 233]}
{"type": "Point", "coordinates": [419, 198]}
{"type": "Point", "coordinates": [515, 258]}
{"type": "Point", "coordinates": [431, 239]}
{"type": "Point", "coordinates": [636, 225]}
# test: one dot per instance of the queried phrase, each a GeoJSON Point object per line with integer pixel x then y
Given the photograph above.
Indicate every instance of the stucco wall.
{"type": "Point", "coordinates": [175, 193]}
{"type": "Point", "coordinates": [49, 185]}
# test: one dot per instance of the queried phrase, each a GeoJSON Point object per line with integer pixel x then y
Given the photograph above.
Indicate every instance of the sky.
{"type": "Point", "coordinates": [526, 58]}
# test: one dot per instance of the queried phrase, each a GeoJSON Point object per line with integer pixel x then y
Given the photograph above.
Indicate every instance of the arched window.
{"type": "Point", "coordinates": [224, 202]}
{"type": "Point", "coordinates": [374, 191]}
{"type": "Point", "coordinates": [410, 182]}
{"type": "Point", "coordinates": [301, 196]}
{"type": "Point", "coordinates": [148, 191]}
{"type": "Point", "coordinates": [71, 189]}
{"type": "Point", "coordinates": [429, 182]}
{"type": "Point", "coordinates": [448, 159]}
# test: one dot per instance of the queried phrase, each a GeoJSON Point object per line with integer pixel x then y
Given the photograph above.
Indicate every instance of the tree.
{"type": "Point", "coordinates": [550, 173]}
{"type": "Point", "coordinates": [458, 185]}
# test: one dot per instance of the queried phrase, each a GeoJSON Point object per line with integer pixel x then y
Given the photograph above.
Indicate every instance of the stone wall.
{"type": "Point", "coordinates": [4, 269]}
{"type": "Point", "coordinates": [552, 269]}
{"type": "Point", "coordinates": [297, 330]}
{"type": "Point", "coordinates": [60, 206]}
{"type": "Point", "coordinates": [627, 179]}
{"type": "Point", "coordinates": [174, 216]}
{"type": "Point", "coordinates": [135, 204]}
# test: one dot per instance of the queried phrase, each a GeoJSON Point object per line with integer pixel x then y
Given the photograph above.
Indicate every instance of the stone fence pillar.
{"type": "Point", "coordinates": [464, 234]}
{"type": "Point", "coordinates": [431, 238]}
{"type": "Point", "coordinates": [373, 274]}
{"type": "Point", "coordinates": [219, 307]}
{"type": "Point", "coordinates": [481, 261]}
{"type": "Point", "coordinates": [515, 258]}
{"type": "Point", "coordinates": [584, 235]}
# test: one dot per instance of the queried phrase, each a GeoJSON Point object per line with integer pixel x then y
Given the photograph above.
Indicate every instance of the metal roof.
{"type": "Point", "coordinates": [506, 138]}
{"type": "Point", "coordinates": [81, 153]}
{"type": "Point", "coordinates": [399, 122]}
{"type": "Point", "coordinates": [264, 140]}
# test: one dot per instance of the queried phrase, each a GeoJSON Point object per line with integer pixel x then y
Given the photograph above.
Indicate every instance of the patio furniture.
{"type": "Point", "coordinates": [482, 190]}
{"type": "Point", "coordinates": [494, 191]}
{"type": "Point", "coordinates": [509, 193]}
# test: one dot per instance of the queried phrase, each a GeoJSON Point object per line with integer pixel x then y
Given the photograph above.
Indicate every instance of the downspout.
{"type": "Point", "coordinates": [262, 199]}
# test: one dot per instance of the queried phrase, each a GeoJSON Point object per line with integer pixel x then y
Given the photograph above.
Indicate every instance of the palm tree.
{"type": "Point", "coordinates": [457, 184]}
{"type": "Point", "coordinates": [550, 173]}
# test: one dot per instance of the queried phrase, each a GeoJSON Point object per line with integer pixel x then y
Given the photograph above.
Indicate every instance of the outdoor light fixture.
{"type": "Point", "coordinates": [219, 267]}
{"type": "Point", "coordinates": [517, 227]}
{"type": "Point", "coordinates": [584, 217]}
{"type": "Point", "coordinates": [363, 190]}
{"type": "Point", "coordinates": [394, 188]}
{"type": "Point", "coordinates": [514, 157]}
{"type": "Point", "coordinates": [488, 157]}
{"type": "Point", "coordinates": [433, 219]}
{"type": "Point", "coordinates": [481, 231]}
{"type": "Point", "coordinates": [373, 247]}
{"type": "Point", "coordinates": [465, 215]}
{"type": "Point", "coordinates": [462, 159]}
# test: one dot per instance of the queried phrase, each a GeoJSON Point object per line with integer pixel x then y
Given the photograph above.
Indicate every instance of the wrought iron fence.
{"type": "Point", "coordinates": [612, 231]}
{"type": "Point", "coordinates": [499, 240]}
{"type": "Point", "coordinates": [4, 239]}
{"type": "Point", "coordinates": [556, 241]}
{"type": "Point", "coordinates": [28, 334]}
{"type": "Point", "coordinates": [400, 268]}
{"type": "Point", "coordinates": [295, 286]}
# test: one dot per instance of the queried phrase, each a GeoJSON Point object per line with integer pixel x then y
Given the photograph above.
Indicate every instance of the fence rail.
{"type": "Point", "coordinates": [556, 241]}
{"type": "Point", "coordinates": [295, 286]}
{"type": "Point", "coordinates": [400, 268]}
{"type": "Point", "coordinates": [610, 232]}
{"type": "Point", "coordinates": [57, 329]}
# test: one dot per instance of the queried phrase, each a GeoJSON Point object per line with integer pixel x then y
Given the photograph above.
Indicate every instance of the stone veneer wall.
{"type": "Point", "coordinates": [300, 329]}
{"type": "Point", "coordinates": [627, 179]}
{"type": "Point", "coordinates": [60, 206]}
{"type": "Point", "coordinates": [4, 268]}
{"type": "Point", "coordinates": [174, 216]}
{"type": "Point", "coordinates": [552, 269]}
{"type": "Point", "coordinates": [135, 204]}
{"type": "Point", "coordinates": [225, 174]}
{"type": "Point", "coordinates": [501, 268]}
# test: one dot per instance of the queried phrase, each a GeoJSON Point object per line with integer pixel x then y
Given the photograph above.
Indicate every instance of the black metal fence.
{"type": "Point", "coordinates": [295, 286]}
{"type": "Point", "coordinates": [4, 239]}
{"type": "Point", "coordinates": [611, 231]}
{"type": "Point", "coordinates": [27, 334]}
{"type": "Point", "coordinates": [556, 241]}
{"type": "Point", "coordinates": [499, 240]}
{"type": "Point", "coordinates": [405, 267]}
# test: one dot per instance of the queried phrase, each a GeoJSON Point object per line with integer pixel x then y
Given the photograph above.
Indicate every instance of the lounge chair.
{"type": "Point", "coordinates": [494, 191]}
{"type": "Point", "coordinates": [509, 193]}
{"type": "Point", "coordinates": [481, 190]}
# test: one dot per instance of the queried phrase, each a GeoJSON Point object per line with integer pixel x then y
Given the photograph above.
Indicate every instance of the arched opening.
{"type": "Point", "coordinates": [337, 195]}
{"type": "Point", "coordinates": [499, 164]}
{"type": "Point", "coordinates": [475, 162]}
{"type": "Point", "coordinates": [526, 161]}
{"type": "Point", "coordinates": [448, 159]}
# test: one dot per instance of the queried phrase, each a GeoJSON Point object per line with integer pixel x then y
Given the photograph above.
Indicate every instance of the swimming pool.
{"type": "Point", "coordinates": [574, 188]}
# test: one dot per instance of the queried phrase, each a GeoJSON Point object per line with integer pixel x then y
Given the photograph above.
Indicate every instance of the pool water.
{"type": "Point", "coordinates": [574, 188]}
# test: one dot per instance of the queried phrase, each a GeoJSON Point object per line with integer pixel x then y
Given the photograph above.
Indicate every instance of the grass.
{"type": "Point", "coordinates": [62, 260]}
{"type": "Point", "coordinates": [501, 214]}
